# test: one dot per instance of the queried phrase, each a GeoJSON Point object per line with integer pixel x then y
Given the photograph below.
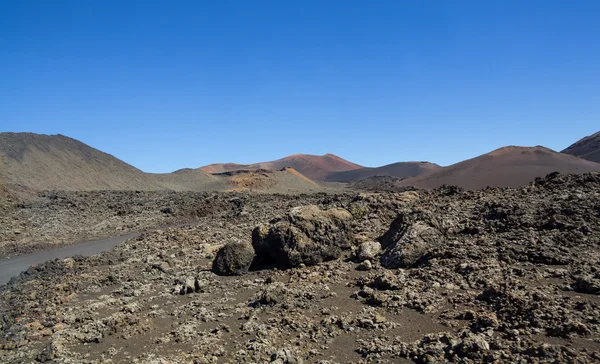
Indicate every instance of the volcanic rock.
{"type": "Point", "coordinates": [234, 259]}
{"type": "Point", "coordinates": [307, 235]}
{"type": "Point", "coordinates": [368, 250]}
{"type": "Point", "coordinates": [407, 241]}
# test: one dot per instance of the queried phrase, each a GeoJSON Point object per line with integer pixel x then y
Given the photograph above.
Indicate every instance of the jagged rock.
{"type": "Point", "coordinates": [407, 241]}
{"type": "Point", "coordinates": [308, 235]}
{"type": "Point", "coordinates": [274, 293]}
{"type": "Point", "coordinates": [368, 250]}
{"type": "Point", "coordinates": [365, 266]}
{"type": "Point", "coordinates": [587, 284]}
{"type": "Point", "coordinates": [188, 286]}
{"type": "Point", "coordinates": [234, 259]}
{"type": "Point", "coordinates": [50, 352]}
{"type": "Point", "coordinates": [286, 356]}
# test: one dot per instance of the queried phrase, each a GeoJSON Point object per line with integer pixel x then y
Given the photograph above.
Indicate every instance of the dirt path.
{"type": "Point", "coordinates": [14, 266]}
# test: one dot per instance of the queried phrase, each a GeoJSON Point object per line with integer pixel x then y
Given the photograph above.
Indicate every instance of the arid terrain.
{"type": "Point", "coordinates": [56, 162]}
{"type": "Point", "coordinates": [298, 182]}
{"type": "Point", "coordinates": [492, 275]}
{"type": "Point", "coordinates": [311, 166]}
{"type": "Point", "coordinates": [505, 167]}
{"type": "Point", "coordinates": [270, 265]}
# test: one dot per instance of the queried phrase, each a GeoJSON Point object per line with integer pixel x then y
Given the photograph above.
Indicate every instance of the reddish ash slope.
{"type": "Point", "coordinates": [505, 167]}
{"type": "Point", "coordinates": [316, 167]}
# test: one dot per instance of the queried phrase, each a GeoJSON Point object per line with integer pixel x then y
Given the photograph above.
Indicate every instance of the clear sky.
{"type": "Point", "coordinates": [170, 84]}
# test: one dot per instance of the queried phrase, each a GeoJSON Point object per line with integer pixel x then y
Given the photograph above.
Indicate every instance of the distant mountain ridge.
{"type": "Point", "coordinates": [48, 162]}
{"type": "Point", "coordinates": [586, 148]}
{"type": "Point", "coordinates": [316, 167]}
{"type": "Point", "coordinates": [398, 170]}
{"type": "Point", "coordinates": [45, 162]}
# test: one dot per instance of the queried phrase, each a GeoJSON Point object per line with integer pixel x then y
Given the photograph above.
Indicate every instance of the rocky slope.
{"type": "Point", "coordinates": [504, 167]}
{"type": "Point", "coordinates": [397, 170]}
{"type": "Point", "coordinates": [586, 148]}
{"type": "Point", "coordinates": [498, 275]}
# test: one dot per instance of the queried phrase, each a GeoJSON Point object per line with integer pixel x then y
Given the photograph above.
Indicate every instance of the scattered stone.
{"type": "Point", "coordinates": [286, 356]}
{"type": "Point", "coordinates": [502, 275]}
{"type": "Point", "coordinates": [588, 283]}
{"type": "Point", "coordinates": [234, 259]}
{"type": "Point", "coordinates": [368, 250]}
{"type": "Point", "coordinates": [365, 266]}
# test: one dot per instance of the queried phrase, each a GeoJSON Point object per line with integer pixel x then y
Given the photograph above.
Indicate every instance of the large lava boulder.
{"type": "Point", "coordinates": [307, 235]}
{"type": "Point", "coordinates": [234, 259]}
{"type": "Point", "coordinates": [409, 239]}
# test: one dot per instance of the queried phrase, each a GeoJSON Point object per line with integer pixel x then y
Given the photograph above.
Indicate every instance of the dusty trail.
{"type": "Point", "coordinates": [14, 266]}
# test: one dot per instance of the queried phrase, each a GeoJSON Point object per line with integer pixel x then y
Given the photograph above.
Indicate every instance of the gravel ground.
{"type": "Point", "coordinates": [56, 218]}
{"type": "Point", "coordinates": [498, 275]}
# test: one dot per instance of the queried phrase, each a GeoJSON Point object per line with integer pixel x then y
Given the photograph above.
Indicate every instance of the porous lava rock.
{"type": "Point", "coordinates": [408, 240]}
{"type": "Point", "coordinates": [234, 259]}
{"type": "Point", "coordinates": [307, 235]}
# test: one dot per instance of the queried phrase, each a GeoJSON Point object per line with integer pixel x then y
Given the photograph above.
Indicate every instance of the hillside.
{"type": "Point", "coordinates": [58, 162]}
{"type": "Point", "coordinates": [43, 162]}
{"type": "Point", "coordinates": [189, 180]}
{"type": "Point", "coordinates": [505, 167]}
{"type": "Point", "coordinates": [586, 148]}
{"type": "Point", "coordinates": [48, 162]}
{"type": "Point", "coordinates": [314, 167]}
{"type": "Point", "coordinates": [398, 170]}
{"type": "Point", "coordinates": [286, 180]}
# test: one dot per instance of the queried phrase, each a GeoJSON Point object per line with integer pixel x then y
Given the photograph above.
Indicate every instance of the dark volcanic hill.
{"type": "Point", "coordinates": [58, 162]}
{"type": "Point", "coordinates": [505, 167]}
{"type": "Point", "coordinates": [586, 148]}
{"type": "Point", "coordinates": [316, 167]}
{"type": "Point", "coordinates": [398, 170]}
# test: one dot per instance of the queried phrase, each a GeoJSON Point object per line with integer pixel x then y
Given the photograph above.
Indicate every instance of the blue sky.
{"type": "Point", "coordinates": [170, 84]}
